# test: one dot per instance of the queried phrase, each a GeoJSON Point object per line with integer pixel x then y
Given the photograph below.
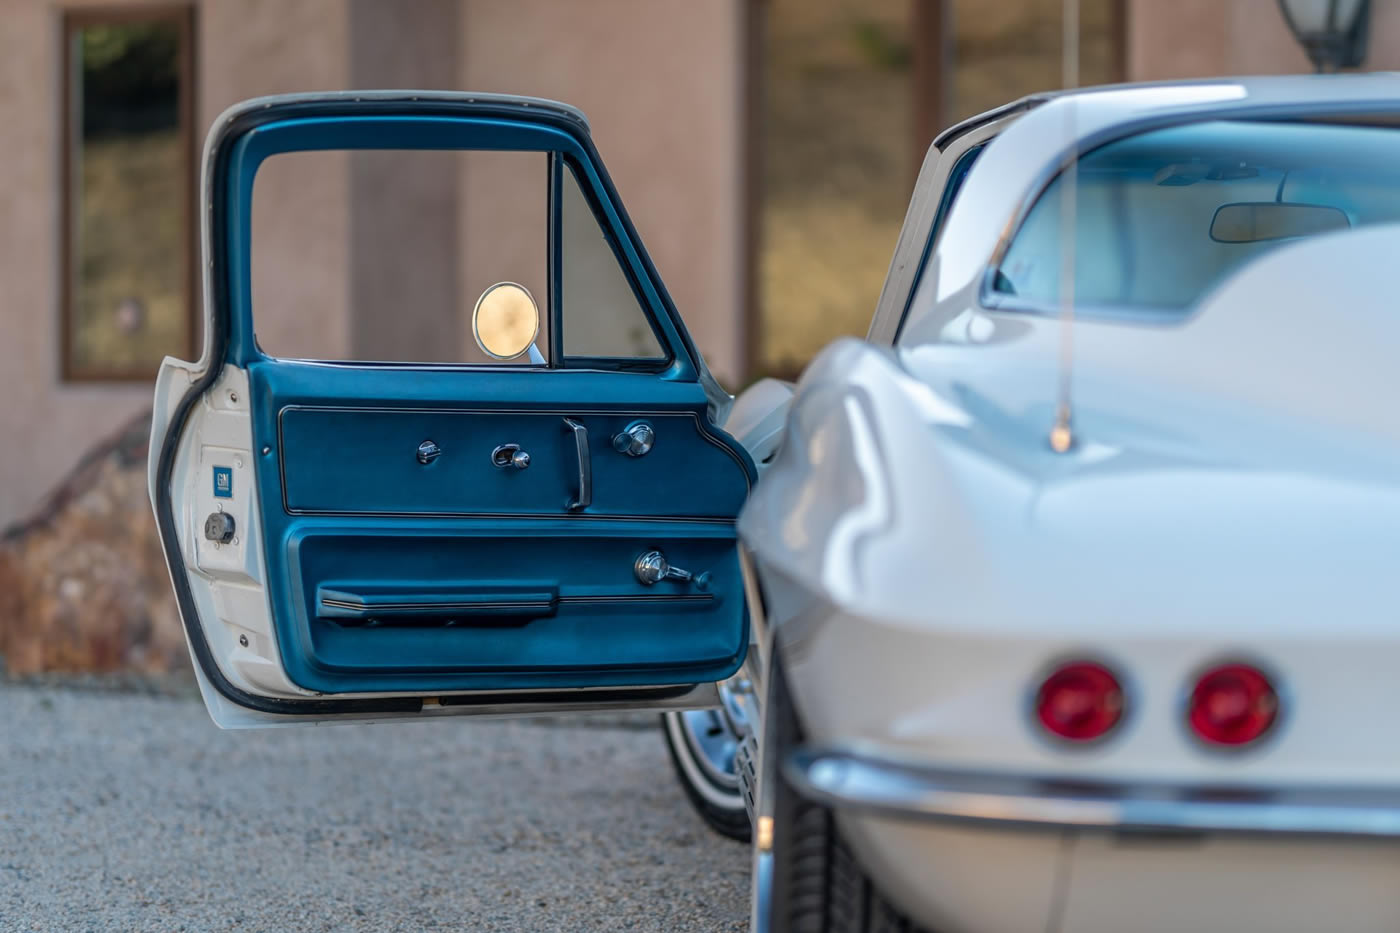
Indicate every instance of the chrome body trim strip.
{"type": "Point", "coordinates": [854, 780]}
{"type": "Point", "coordinates": [445, 606]}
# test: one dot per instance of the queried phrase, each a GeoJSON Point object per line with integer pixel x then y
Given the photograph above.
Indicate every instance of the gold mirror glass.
{"type": "Point", "coordinates": [506, 321]}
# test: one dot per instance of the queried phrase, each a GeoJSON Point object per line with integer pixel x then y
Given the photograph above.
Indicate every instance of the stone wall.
{"type": "Point", "coordinates": [83, 585]}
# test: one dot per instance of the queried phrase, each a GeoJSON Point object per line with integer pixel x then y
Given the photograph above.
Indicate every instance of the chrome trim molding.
{"type": "Point", "coordinates": [446, 606]}
{"type": "Point", "coordinates": [449, 606]}
{"type": "Point", "coordinates": [853, 780]}
{"type": "Point", "coordinates": [585, 467]}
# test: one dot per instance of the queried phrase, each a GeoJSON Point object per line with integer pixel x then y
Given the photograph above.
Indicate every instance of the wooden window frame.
{"type": "Point", "coordinates": [74, 20]}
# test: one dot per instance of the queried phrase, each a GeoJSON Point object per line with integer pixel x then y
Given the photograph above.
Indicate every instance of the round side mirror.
{"type": "Point", "coordinates": [505, 321]}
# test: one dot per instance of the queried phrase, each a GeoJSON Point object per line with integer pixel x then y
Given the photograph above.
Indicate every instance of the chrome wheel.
{"type": "Point", "coordinates": [703, 745]}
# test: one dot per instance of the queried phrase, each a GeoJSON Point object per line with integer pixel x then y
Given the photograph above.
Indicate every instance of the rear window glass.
{"type": "Point", "coordinates": [1161, 217]}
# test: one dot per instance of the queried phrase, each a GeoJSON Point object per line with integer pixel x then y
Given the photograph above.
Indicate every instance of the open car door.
{"type": "Point", "coordinates": [541, 521]}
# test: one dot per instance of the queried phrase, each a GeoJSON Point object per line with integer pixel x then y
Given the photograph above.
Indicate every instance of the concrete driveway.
{"type": "Point", "coordinates": [133, 812]}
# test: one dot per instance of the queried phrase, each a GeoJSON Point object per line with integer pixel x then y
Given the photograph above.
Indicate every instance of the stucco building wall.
{"type": "Point", "coordinates": [660, 80]}
{"type": "Point", "coordinates": [1207, 38]}
{"type": "Point", "coordinates": [244, 48]}
{"type": "Point", "coordinates": [665, 86]}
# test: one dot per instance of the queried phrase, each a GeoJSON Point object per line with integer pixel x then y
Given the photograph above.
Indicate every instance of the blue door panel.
{"type": "Point", "coordinates": [387, 478]}
{"type": "Point", "coordinates": [386, 574]}
{"type": "Point", "coordinates": [493, 606]}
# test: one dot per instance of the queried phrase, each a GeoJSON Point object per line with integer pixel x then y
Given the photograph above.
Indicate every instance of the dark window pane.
{"type": "Point", "coordinates": [128, 177]}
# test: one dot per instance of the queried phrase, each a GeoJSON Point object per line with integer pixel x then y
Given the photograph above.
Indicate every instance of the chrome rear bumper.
{"type": "Point", "coordinates": [849, 779]}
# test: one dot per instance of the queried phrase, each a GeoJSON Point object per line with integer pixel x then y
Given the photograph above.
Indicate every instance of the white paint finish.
{"type": "Point", "coordinates": [969, 880]}
{"type": "Point", "coordinates": [1213, 883]}
{"type": "Point", "coordinates": [1232, 495]}
{"type": "Point", "coordinates": [956, 879]}
{"type": "Point", "coordinates": [228, 581]}
{"type": "Point", "coordinates": [758, 418]}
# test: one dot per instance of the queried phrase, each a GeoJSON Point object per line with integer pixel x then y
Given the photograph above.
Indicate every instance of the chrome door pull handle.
{"type": "Point", "coordinates": [653, 567]}
{"type": "Point", "coordinates": [585, 467]}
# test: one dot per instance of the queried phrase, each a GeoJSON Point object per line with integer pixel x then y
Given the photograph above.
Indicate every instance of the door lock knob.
{"type": "Point", "coordinates": [428, 451]}
{"type": "Point", "coordinates": [636, 440]}
{"type": "Point", "coordinates": [510, 455]}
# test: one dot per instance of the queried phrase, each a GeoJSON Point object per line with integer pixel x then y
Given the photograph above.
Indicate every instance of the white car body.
{"type": "Point", "coordinates": [925, 557]}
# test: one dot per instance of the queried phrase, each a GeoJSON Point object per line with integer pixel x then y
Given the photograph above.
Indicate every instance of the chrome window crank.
{"type": "Point", "coordinates": [585, 467]}
{"type": "Point", "coordinates": [653, 567]}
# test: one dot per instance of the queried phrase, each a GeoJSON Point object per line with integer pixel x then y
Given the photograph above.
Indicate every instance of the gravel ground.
{"type": "Point", "coordinates": [120, 811]}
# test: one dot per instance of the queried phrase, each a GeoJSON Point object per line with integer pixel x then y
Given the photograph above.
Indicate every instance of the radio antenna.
{"type": "Point", "coordinates": [1062, 433]}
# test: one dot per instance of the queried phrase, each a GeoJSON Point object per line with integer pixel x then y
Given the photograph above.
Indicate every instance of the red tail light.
{"type": "Point", "coordinates": [1080, 701]}
{"type": "Point", "coordinates": [1233, 704]}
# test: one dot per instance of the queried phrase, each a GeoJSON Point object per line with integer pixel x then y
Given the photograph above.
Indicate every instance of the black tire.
{"type": "Point", "coordinates": [818, 885]}
{"type": "Point", "coordinates": [719, 803]}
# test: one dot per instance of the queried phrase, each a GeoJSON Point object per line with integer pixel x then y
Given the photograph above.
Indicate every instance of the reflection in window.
{"type": "Point", "coordinates": [127, 192]}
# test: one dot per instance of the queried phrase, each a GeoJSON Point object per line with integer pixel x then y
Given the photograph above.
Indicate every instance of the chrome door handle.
{"type": "Point", "coordinates": [585, 467]}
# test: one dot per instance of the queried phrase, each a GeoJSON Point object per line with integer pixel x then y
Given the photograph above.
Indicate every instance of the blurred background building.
{"type": "Point", "coordinates": [765, 149]}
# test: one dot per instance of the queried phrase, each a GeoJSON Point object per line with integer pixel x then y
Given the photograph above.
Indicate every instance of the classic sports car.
{"type": "Point", "coordinates": [1062, 602]}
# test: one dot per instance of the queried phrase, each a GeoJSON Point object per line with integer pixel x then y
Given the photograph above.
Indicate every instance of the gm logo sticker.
{"type": "Point", "coordinates": [223, 482]}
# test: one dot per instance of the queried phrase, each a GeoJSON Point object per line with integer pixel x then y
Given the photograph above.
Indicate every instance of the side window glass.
{"type": "Point", "coordinates": [602, 318]}
{"type": "Point", "coordinates": [128, 266]}
{"type": "Point", "coordinates": [953, 188]}
{"type": "Point", "coordinates": [381, 255]}
{"type": "Point", "coordinates": [388, 256]}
